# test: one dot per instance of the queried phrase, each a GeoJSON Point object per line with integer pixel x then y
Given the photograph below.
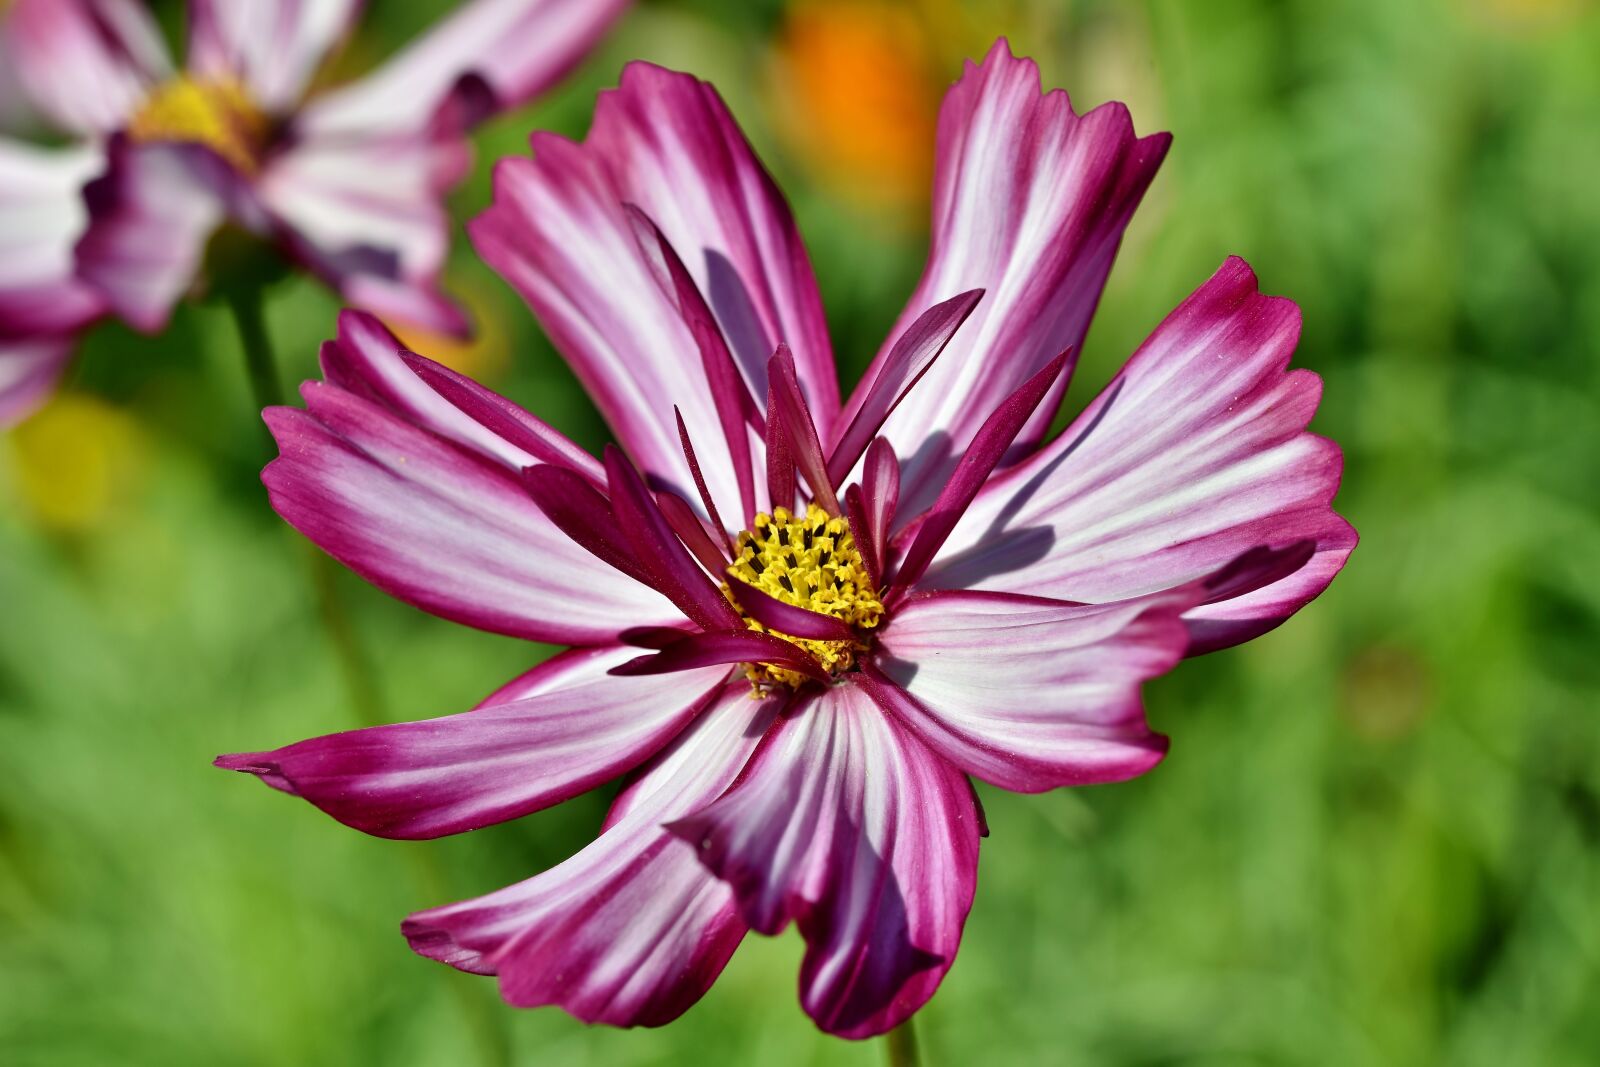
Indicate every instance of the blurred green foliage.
{"type": "Point", "coordinates": [1377, 839]}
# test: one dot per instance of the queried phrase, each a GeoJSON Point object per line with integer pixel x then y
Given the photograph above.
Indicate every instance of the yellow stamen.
{"type": "Point", "coordinates": [811, 562]}
{"type": "Point", "coordinates": [216, 113]}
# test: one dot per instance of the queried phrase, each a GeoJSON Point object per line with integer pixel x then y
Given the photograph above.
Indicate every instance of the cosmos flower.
{"type": "Point", "coordinates": [799, 627]}
{"type": "Point", "coordinates": [349, 183]}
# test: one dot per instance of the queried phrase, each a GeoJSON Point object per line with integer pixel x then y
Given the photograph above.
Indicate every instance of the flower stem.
{"type": "Point", "coordinates": [900, 1046]}
{"type": "Point", "coordinates": [355, 669]}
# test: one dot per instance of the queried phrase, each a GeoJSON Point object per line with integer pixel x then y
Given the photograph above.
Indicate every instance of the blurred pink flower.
{"type": "Point", "coordinates": [986, 604]}
{"type": "Point", "coordinates": [348, 182]}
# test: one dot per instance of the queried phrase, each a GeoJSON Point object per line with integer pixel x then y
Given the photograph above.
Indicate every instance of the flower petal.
{"type": "Point", "coordinates": [907, 360]}
{"type": "Point", "coordinates": [512, 49]}
{"type": "Point", "coordinates": [579, 728]}
{"type": "Point", "coordinates": [368, 360]}
{"type": "Point", "coordinates": [1195, 454]}
{"type": "Point", "coordinates": [151, 214]}
{"type": "Point", "coordinates": [632, 930]}
{"type": "Point", "coordinates": [846, 824]}
{"type": "Point", "coordinates": [1030, 202]}
{"type": "Point", "coordinates": [366, 213]}
{"type": "Point", "coordinates": [1026, 693]}
{"type": "Point", "coordinates": [973, 469]}
{"type": "Point", "coordinates": [29, 370]}
{"type": "Point", "coordinates": [558, 231]}
{"type": "Point", "coordinates": [272, 46]}
{"type": "Point", "coordinates": [86, 64]}
{"type": "Point", "coordinates": [42, 215]}
{"type": "Point", "coordinates": [440, 527]}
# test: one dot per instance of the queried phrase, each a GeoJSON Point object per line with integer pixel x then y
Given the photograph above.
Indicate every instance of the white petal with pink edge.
{"type": "Point", "coordinates": [85, 64]}
{"type": "Point", "coordinates": [1195, 454]}
{"type": "Point", "coordinates": [1030, 203]}
{"type": "Point", "coordinates": [440, 527]}
{"type": "Point", "coordinates": [573, 728]}
{"type": "Point", "coordinates": [633, 929]}
{"type": "Point", "coordinates": [28, 372]}
{"type": "Point", "coordinates": [1026, 693]}
{"type": "Point", "coordinates": [272, 47]}
{"type": "Point", "coordinates": [513, 49]}
{"type": "Point", "coordinates": [559, 232]}
{"type": "Point", "coordinates": [849, 826]}
{"type": "Point", "coordinates": [42, 216]}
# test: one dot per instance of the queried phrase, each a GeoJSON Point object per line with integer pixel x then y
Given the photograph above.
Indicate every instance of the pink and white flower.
{"type": "Point", "coordinates": [915, 586]}
{"type": "Point", "coordinates": [348, 182]}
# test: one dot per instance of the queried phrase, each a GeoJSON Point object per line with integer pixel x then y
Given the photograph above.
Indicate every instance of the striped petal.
{"type": "Point", "coordinates": [1195, 454]}
{"type": "Point", "coordinates": [441, 527]}
{"type": "Point", "coordinates": [85, 64]}
{"type": "Point", "coordinates": [847, 825]}
{"type": "Point", "coordinates": [42, 216]}
{"type": "Point", "coordinates": [272, 46]}
{"type": "Point", "coordinates": [29, 371]}
{"type": "Point", "coordinates": [1026, 693]}
{"type": "Point", "coordinates": [365, 211]}
{"type": "Point", "coordinates": [632, 930]}
{"type": "Point", "coordinates": [508, 50]}
{"type": "Point", "coordinates": [151, 214]}
{"type": "Point", "coordinates": [559, 231]}
{"type": "Point", "coordinates": [1030, 203]}
{"type": "Point", "coordinates": [572, 727]}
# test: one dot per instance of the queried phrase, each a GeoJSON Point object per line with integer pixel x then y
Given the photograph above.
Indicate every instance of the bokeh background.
{"type": "Point", "coordinates": [1377, 838]}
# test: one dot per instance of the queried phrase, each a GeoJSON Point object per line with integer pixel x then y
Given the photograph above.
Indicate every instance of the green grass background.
{"type": "Point", "coordinates": [1377, 838]}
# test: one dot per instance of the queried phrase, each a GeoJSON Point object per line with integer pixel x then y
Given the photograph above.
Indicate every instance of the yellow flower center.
{"type": "Point", "coordinates": [216, 113]}
{"type": "Point", "coordinates": [809, 561]}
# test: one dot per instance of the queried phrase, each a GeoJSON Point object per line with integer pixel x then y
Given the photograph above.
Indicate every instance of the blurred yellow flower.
{"type": "Point", "coordinates": [857, 99]}
{"type": "Point", "coordinates": [75, 460]}
{"type": "Point", "coordinates": [483, 356]}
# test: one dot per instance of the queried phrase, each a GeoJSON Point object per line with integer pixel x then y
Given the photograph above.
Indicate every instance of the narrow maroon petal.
{"type": "Point", "coordinates": [729, 393]}
{"type": "Point", "coordinates": [798, 429]}
{"type": "Point", "coordinates": [662, 556]}
{"type": "Point", "coordinates": [880, 495]}
{"type": "Point", "coordinates": [691, 531]}
{"type": "Point", "coordinates": [866, 539]}
{"type": "Point", "coordinates": [700, 483]}
{"type": "Point", "coordinates": [503, 417]}
{"type": "Point", "coordinates": [987, 448]}
{"type": "Point", "coordinates": [771, 612]}
{"type": "Point", "coordinates": [578, 510]}
{"type": "Point", "coordinates": [900, 370]}
{"type": "Point", "coordinates": [780, 457]}
{"type": "Point", "coordinates": [654, 636]}
{"type": "Point", "coordinates": [705, 650]}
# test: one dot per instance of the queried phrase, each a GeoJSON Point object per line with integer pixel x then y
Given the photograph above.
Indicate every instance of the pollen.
{"type": "Point", "coordinates": [811, 562]}
{"type": "Point", "coordinates": [217, 113]}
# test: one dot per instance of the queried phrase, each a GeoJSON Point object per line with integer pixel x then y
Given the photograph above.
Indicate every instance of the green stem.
{"type": "Point", "coordinates": [248, 318]}
{"type": "Point", "coordinates": [355, 669]}
{"type": "Point", "coordinates": [900, 1046]}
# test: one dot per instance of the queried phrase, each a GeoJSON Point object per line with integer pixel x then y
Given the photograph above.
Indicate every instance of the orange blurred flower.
{"type": "Point", "coordinates": [857, 98]}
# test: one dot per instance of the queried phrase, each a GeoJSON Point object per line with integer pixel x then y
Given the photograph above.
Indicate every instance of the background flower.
{"type": "Point", "coordinates": [347, 184]}
{"type": "Point", "coordinates": [1417, 176]}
